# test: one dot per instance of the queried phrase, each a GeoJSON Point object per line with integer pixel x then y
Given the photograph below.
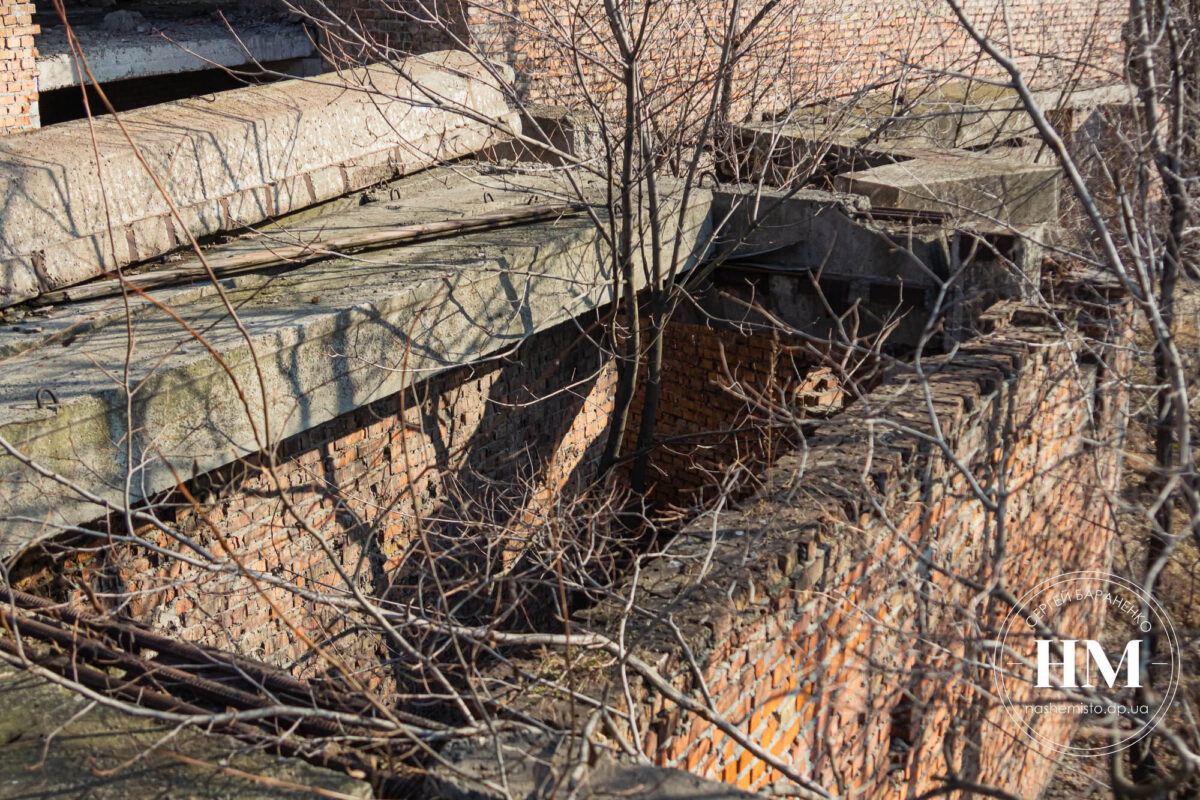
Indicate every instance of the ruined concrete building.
{"type": "Point", "coordinates": [326, 459]}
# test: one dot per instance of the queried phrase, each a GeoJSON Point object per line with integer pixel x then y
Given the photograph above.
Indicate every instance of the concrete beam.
{"type": "Point", "coordinates": [166, 51]}
{"type": "Point", "coordinates": [321, 340]}
{"type": "Point", "coordinates": [818, 232]}
{"type": "Point", "coordinates": [245, 156]}
{"type": "Point", "coordinates": [1007, 191]}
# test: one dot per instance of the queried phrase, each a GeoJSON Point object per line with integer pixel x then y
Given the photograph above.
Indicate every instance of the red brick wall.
{"type": "Point", "coordinates": [806, 53]}
{"type": "Point", "coordinates": [366, 31]}
{"type": "Point", "coordinates": [368, 483]}
{"type": "Point", "coordinates": [818, 627]}
{"type": "Point", "coordinates": [718, 385]}
{"type": "Point", "coordinates": [801, 53]}
{"type": "Point", "coordinates": [18, 67]}
{"type": "Point", "coordinates": [819, 630]}
{"type": "Point", "coordinates": [494, 441]}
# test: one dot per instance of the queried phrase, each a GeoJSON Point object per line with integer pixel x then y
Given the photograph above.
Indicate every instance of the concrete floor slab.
{"type": "Point", "coordinates": [245, 156]}
{"type": "Point", "coordinates": [164, 48]}
{"type": "Point", "coordinates": [999, 190]}
{"type": "Point", "coordinates": [320, 340]}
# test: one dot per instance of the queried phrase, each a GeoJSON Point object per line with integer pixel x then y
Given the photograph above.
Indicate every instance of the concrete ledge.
{"type": "Point", "coordinates": [180, 48]}
{"type": "Point", "coordinates": [1007, 191]}
{"type": "Point", "coordinates": [326, 339]}
{"type": "Point", "coordinates": [248, 155]}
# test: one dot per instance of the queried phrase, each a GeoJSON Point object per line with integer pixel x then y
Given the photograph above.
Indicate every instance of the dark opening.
{"type": "Point", "coordinates": [63, 105]}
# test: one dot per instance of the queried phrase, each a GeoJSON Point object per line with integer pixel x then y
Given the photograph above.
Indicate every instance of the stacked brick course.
{"type": "Point", "coordinates": [825, 49]}
{"type": "Point", "coordinates": [715, 408]}
{"type": "Point", "coordinates": [18, 67]}
{"type": "Point", "coordinates": [824, 615]}
{"type": "Point", "coordinates": [497, 441]}
{"type": "Point", "coordinates": [824, 624]}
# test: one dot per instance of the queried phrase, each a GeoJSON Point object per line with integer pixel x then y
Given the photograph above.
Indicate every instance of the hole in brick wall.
{"type": "Point", "coordinates": [901, 737]}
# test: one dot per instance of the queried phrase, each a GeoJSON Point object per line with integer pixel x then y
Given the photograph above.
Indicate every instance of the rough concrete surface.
{"type": "Point", "coordinates": [328, 337]}
{"type": "Point", "coordinates": [163, 49]}
{"type": "Point", "coordinates": [534, 766]}
{"type": "Point", "coordinates": [1007, 191]}
{"type": "Point", "coordinates": [247, 155]}
{"type": "Point", "coordinates": [52, 746]}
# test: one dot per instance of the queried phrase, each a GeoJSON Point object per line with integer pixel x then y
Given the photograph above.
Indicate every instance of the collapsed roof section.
{"type": "Point", "coordinates": [228, 161]}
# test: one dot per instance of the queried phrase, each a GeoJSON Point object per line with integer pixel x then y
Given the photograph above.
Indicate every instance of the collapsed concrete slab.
{"type": "Point", "coordinates": [319, 340]}
{"type": "Point", "coordinates": [247, 155]}
{"type": "Point", "coordinates": [1006, 191]}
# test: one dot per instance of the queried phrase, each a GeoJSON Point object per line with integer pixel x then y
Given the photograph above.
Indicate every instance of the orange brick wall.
{"type": "Point", "coordinates": [705, 428]}
{"type": "Point", "coordinates": [801, 53]}
{"type": "Point", "coordinates": [493, 441]}
{"type": "Point", "coordinates": [18, 67]}
{"type": "Point", "coordinates": [821, 631]}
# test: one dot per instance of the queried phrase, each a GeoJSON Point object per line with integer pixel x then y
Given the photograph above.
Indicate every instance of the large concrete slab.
{"type": "Point", "coordinates": [167, 49]}
{"type": "Point", "coordinates": [245, 156]}
{"type": "Point", "coordinates": [326, 338]}
{"type": "Point", "coordinates": [1003, 191]}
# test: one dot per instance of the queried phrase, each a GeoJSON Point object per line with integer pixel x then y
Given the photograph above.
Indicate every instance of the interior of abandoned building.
{"type": "Point", "coordinates": [377, 370]}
